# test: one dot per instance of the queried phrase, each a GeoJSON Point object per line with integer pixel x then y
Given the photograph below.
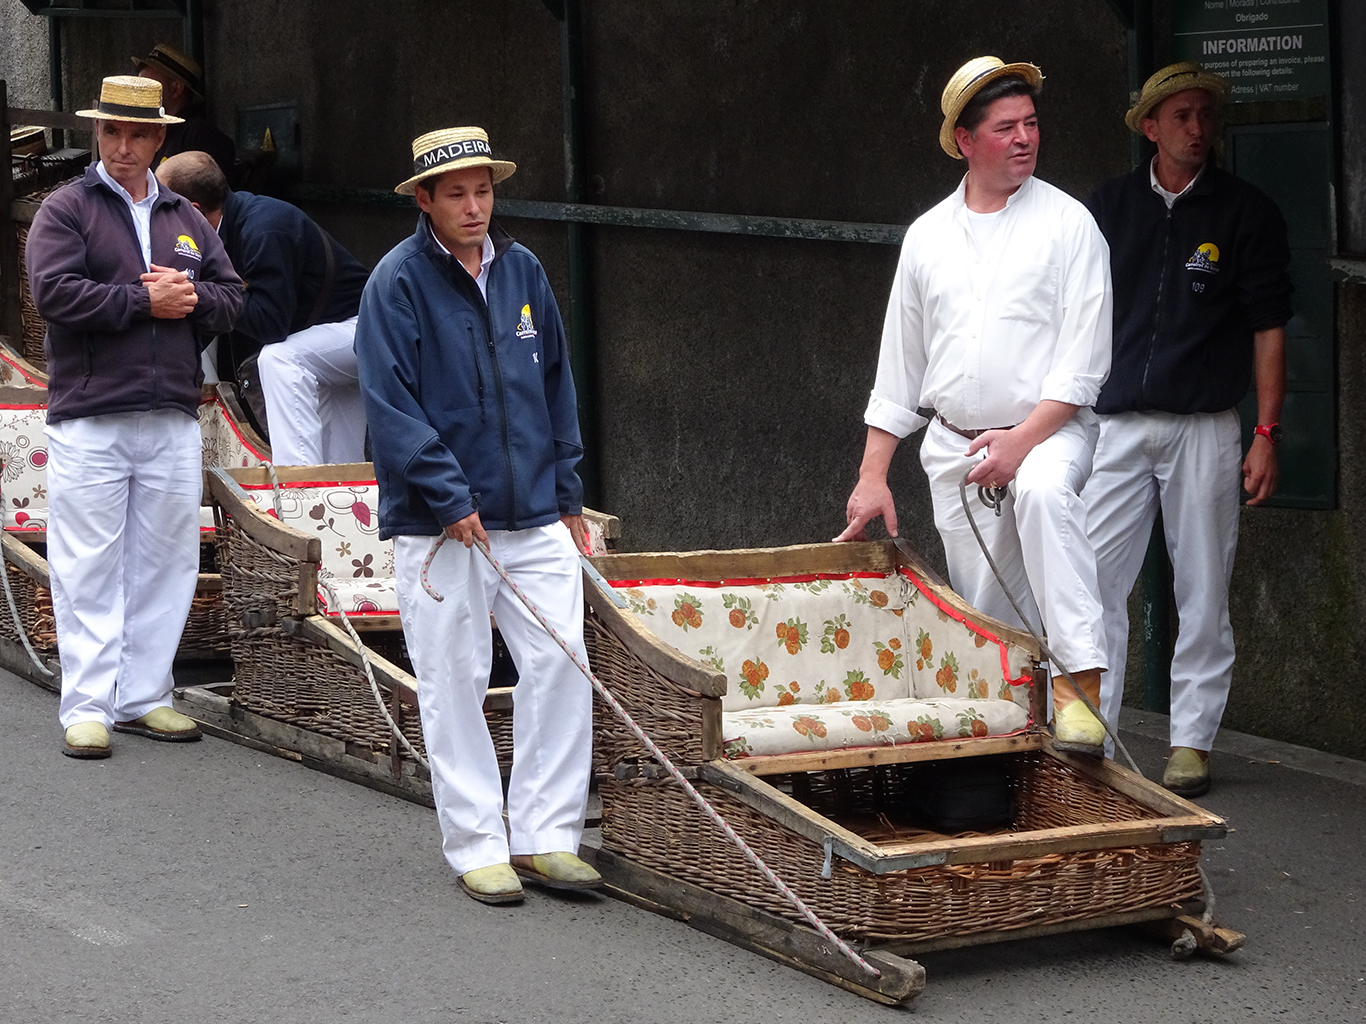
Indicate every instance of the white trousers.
{"type": "Point", "coordinates": [314, 411]}
{"type": "Point", "coordinates": [450, 643]}
{"type": "Point", "coordinates": [1190, 466]}
{"type": "Point", "coordinates": [123, 547]}
{"type": "Point", "coordinates": [1038, 542]}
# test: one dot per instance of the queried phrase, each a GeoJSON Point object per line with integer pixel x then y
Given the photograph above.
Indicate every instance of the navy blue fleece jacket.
{"type": "Point", "coordinates": [470, 403]}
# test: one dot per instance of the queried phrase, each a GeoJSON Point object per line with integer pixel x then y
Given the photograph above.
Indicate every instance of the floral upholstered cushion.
{"type": "Point", "coordinates": [361, 596]}
{"type": "Point", "coordinates": [948, 657]}
{"type": "Point", "coordinates": [801, 640]}
{"type": "Point", "coordinates": [344, 516]}
{"type": "Point", "coordinates": [23, 450]}
{"type": "Point", "coordinates": [788, 730]}
{"type": "Point", "coordinates": [223, 442]}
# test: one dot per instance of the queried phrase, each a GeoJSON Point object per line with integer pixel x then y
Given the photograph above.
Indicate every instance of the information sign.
{"type": "Point", "coordinates": [1267, 49]}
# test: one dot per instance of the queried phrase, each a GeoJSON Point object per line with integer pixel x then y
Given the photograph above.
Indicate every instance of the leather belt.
{"type": "Point", "coordinates": [971, 435]}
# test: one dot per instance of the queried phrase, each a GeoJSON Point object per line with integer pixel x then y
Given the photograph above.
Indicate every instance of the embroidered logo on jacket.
{"type": "Point", "coordinates": [1205, 258]}
{"type": "Point", "coordinates": [184, 246]}
{"type": "Point", "coordinates": [525, 328]}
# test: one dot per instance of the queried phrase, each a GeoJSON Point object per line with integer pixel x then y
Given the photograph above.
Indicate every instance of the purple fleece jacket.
{"type": "Point", "coordinates": [106, 353]}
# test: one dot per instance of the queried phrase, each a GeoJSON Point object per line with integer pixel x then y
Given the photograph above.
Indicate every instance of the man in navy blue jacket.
{"type": "Point", "coordinates": [474, 426]}
{"type": "Point", "coordinates": [298, 318]}
{"type": "Point", "coordinates": [1202, 295]}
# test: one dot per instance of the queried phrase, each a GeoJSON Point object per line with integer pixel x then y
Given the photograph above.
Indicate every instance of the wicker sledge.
{"type": "Point", "coordinates": [299, 686]}
{"type": "Point", "coordinates": [809, 692]}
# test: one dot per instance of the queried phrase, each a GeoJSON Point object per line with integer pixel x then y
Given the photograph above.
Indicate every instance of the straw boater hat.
{"type": "Point", "coordinates": [452, 149]}
{"type": "Point", "coordinates": [165, 57]}
{"type": "Point", "coordinates": [1169, 81]}
{"type": "Point", "coordinates": [129, 98]}
{"type": "Point", "coordinates": [965, 84]}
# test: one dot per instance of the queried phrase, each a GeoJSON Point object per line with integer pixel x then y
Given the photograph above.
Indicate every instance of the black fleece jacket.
{"type": "Point", "coordinates": [1192, 285]}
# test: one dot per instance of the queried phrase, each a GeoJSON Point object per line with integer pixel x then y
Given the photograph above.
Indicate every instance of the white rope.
{"type": "Point", "coordinates": [274, 489]}
{"type": "Point", "coordinates": [333, 602]}
{"type": "Point", "coordinates": [9, 599]}
{"type": "Point", "coordinates": [657, 754]}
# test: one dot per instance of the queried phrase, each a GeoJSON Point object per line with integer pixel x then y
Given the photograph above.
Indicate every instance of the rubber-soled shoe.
{"type": "Point", "coordinates": [1187, 772]}
{"type": "Point", "coordinates": [494, 884]}
{"type": "Point", "coordinates": [1076, 730]}
{"type": "Point", "coordinates": [162, 724]}
{"type": "Point", "coordinates": [87, 740]}
{"type": "Point", "coordinates": [557, 871]}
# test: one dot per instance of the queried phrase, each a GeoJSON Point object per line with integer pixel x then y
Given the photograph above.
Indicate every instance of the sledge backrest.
{"type": "Point", "coordinates": [829, 637]}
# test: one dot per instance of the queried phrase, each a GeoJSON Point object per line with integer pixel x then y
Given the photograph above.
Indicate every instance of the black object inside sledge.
{"type": "Point", "coordinates": [970, 794]}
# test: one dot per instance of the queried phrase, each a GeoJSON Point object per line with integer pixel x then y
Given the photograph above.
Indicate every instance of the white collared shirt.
{"type": "Point", "coordinates": [983, 334]}
{"type": "Point", "coordinates": [1171, 197]}
{"type": "Point", "coordinates": [484, 260]}
{"type": "Point", "coordinates": [141, 210]}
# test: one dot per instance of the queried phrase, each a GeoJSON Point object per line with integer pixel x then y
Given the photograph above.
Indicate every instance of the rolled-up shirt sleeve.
{"type": "Point", "coordinates": [902, 358]}
{"type": "Point", "coordinates": [1081, 358]}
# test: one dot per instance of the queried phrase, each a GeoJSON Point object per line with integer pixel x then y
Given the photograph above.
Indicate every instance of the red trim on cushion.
{"type": "Point", "coordinates": [22, 372]}
{"type": "Point", "coordinates": [958, 617]}
{"type": "Point", "coordinates": [286, 485]}
{"type": "Point", "coordinates": [223, 409]}
{"type": "Point", "coordinates": [27, 407]}
{"type": "Point", "coordinates": [322, 604]}
{"type": "Point", "coordinates": [755, 582]}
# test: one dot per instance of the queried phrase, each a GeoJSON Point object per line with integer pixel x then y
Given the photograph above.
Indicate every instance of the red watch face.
{"type": "Point", "coordinates": [1272, 433]}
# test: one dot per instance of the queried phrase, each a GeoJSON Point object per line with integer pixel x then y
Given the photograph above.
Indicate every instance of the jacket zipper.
{"type": "Point", "coordinates": [1157, 314]}
{"type": "Point", "coordinates": [478, 370]}
{"type": "Point", "coordinates": [503, 420]}
{"type": "Point", "coordinates": [156, 384]}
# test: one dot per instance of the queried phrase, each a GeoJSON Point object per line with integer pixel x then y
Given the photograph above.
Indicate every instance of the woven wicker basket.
{"type": "Point", "coordinates": [35, 330]}
{"type": "Point", "coordinates": [653, 823]}
{"type": "Point", "coordinates": [288, 677]}
{"type": "Point", "coordinates": [34, 602]}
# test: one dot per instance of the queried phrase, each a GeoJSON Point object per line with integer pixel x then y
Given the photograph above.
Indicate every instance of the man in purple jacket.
{"type": "Point", "coordinates": [129, 277]}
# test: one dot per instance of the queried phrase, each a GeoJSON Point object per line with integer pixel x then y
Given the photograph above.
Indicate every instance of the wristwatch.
{"type": "Point", "coordinates": [1271, 431]}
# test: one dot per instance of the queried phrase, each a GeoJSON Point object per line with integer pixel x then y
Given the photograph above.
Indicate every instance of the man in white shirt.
{"type": "Point", "coordinates": [997, 336]}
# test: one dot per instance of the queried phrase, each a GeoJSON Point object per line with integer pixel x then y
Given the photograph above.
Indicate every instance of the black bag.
{"type": "Point", "coordinates": [966, 794]}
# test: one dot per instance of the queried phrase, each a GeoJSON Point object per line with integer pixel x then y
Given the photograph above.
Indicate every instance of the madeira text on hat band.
{"type": "Point", "coordinates": [452, 151]}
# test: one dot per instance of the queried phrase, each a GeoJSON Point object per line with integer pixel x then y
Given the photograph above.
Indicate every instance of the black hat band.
{"type": "Point", "coordinates": [174, 66]}
{"type": "Point", "coordinates": [124, 110]}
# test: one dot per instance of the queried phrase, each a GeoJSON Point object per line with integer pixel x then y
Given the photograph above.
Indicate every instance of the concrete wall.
{"type": "Point", "coordinates": [733, 372]}
{"type": "Point", "coordinates": [23, 55]}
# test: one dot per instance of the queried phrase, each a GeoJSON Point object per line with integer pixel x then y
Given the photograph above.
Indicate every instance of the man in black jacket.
{"type": "Point", "coordinates": [128, 277]}
{"type": "Point", "coordinates": [182, 87]}
{"type": "Point", "coordinates": [1199, 262]}
{"type": "Point", "coordinates": [299, 317]}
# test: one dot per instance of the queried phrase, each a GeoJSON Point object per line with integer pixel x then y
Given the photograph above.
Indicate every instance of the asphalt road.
{"type": "Point", "coordinates": [207, 882]}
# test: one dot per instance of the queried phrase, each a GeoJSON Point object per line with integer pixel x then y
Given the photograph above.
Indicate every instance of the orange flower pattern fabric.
{"type": "Point", "coordinates": [787, 730]}
{"type": "Point", "coordinates": [829, 641]}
